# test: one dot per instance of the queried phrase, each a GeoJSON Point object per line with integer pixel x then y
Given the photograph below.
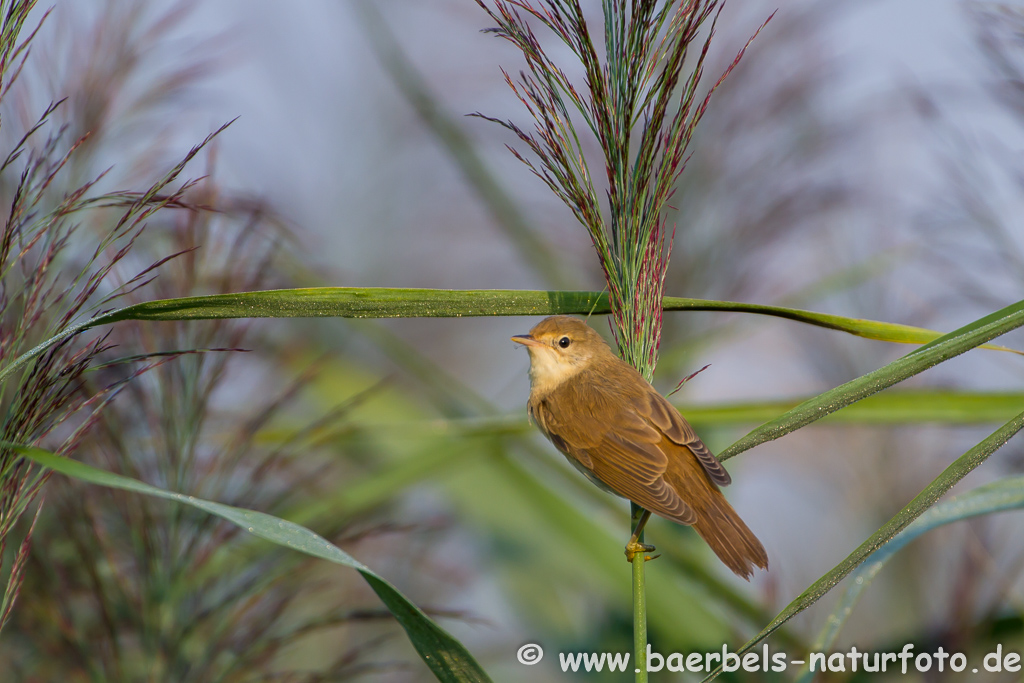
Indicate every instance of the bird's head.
{"type": "Point", "coordinates": [560, 347]}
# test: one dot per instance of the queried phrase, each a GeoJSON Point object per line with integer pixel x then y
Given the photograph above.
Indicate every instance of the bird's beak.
{"type": "Point", "coordinates": [526, 340]}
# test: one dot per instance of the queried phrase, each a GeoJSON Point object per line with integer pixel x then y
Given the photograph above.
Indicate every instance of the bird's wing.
{"type": "Point", "coordinates": [628, 459]}
{"type": "Point", "coordinates": [664, 416]}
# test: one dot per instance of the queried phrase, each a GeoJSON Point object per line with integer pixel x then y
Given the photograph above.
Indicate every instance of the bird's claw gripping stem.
{"type": "Point", "coordinates": [634, 547]}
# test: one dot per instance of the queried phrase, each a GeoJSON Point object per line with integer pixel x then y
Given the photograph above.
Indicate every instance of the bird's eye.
{"type": "Point", "coordinates": [564, 342]}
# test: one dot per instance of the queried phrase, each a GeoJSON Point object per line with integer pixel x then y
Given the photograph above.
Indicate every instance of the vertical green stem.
{"type": "Point", "coordinates": [639, 603]}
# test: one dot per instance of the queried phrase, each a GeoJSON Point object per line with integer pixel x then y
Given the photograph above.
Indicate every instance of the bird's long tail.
{"type": "Point", "coordinates": [717, 522]}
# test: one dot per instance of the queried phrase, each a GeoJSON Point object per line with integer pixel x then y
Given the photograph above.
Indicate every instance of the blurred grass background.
{"type": "Point", "coordinates": [862, 160]}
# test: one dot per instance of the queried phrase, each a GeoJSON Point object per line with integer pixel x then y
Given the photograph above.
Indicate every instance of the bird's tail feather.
{"type": "Point", "coordinates": [731, 539]}
{"type": "Point", "coordinates": [717, 522]}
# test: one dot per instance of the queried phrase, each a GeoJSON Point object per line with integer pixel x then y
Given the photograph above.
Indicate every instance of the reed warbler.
{"type": "Point", "coordinates": [629, 440]}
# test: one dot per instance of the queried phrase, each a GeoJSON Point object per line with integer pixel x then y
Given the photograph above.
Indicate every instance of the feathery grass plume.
{"type": "Point", "coordinates": [123, 587]}
{"type": "Point", "coordinates": [637, 94]}
{"type": "Point", "coordinates": [52, 273]}
{"type": "Point", "coordinates": [153, 591]}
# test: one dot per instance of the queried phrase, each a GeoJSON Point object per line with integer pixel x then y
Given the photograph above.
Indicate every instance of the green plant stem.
{"type": "Point", "coordinates": [639, 602]}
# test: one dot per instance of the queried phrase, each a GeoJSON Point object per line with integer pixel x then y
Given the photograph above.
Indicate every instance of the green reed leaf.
{"type": "Point", "coordinates": [446, 657]}
{"type": "Point", "coordinates": [888, 407]}
{"type": "Point", "coordinates": [931, 493]}
{"type": "Point", "coordinates": [999, 496]}
{"type": "Point", "coordinates": [379, 302]}
{"type": "Point", "coordinates": [953, 344]}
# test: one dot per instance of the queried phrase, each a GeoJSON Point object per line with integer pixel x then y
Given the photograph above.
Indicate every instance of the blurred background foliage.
{"type": "Point", "coordinates": [837, 169]}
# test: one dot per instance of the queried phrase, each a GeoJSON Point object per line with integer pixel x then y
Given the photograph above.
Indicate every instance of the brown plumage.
{"type": "Point", "coordinates": [628, 439]}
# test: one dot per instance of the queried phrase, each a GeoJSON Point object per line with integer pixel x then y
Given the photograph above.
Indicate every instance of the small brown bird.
{"type": "Point", "coordinates": [629, 440]}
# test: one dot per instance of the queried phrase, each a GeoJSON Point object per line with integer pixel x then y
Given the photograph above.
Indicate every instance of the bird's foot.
{"type": "Point", "coordinates": [634, 547]}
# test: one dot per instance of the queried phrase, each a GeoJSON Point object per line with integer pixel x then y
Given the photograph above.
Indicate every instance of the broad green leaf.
{"type": "Point", "coordinates": [888, 407]}
{"type": "Point", "coordinates": [948, 346]}
{"type": "Point", "coordinates": [945, 481]}
{"type": "Point", "coordinates": [999, 496]}
{"type": "Point", "coordinates": [372, 302]}
{"type": "Point", "coordinates": [447, 658]}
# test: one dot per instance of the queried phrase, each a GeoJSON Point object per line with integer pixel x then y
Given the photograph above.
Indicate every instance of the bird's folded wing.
{"type": "Point", "coordinates": [635, 470]}
{"type": "Point", "coordinates": [667, 419]}
{"type": "Point", "coordinates": [626, 459]}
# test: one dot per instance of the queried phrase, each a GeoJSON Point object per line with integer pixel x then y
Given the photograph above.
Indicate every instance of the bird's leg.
{"type": "Point", "coordinates": [634, 546]}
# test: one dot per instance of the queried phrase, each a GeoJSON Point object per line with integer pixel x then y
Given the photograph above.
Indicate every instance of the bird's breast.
{"type": "Point", "coordinates": [548, 371]}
